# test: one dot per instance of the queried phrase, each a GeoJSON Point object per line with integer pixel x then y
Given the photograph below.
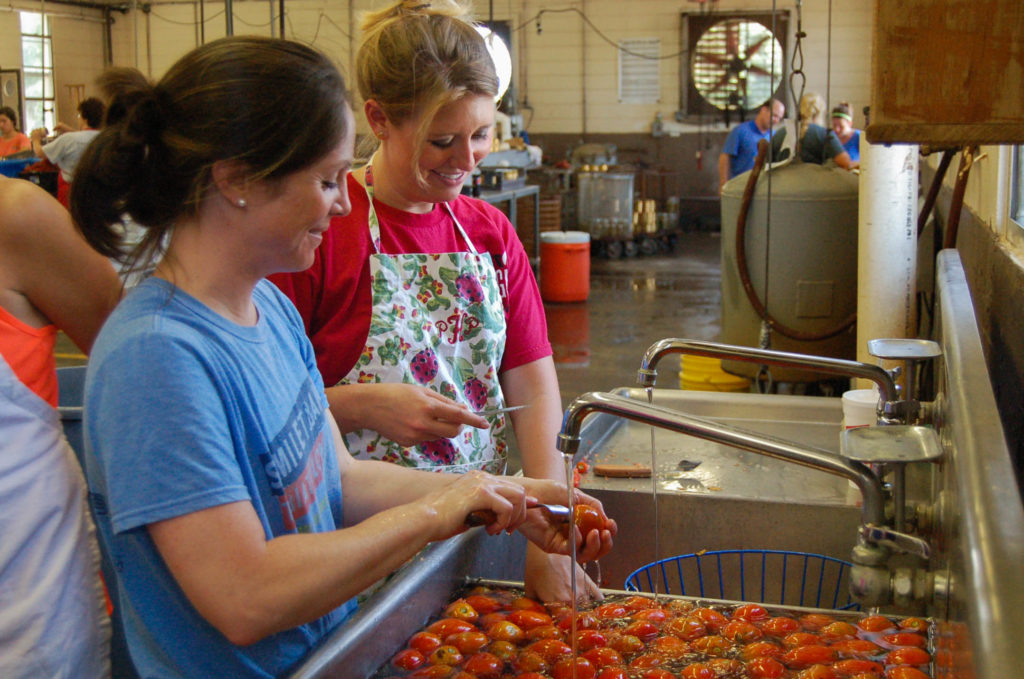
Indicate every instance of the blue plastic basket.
{"type": "Point", "coordinates": [752, 575]}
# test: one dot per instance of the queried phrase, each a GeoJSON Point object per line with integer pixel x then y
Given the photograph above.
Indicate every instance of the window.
{"type": "Point", "coordinates": [37, 67]}
{"type": "Point", "coordinates": [1017, 187]}
{"type": "Point", "coordinates": [638, 71]}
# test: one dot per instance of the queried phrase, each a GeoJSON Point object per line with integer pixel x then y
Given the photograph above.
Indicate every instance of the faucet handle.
{"type": "Point", "coordinates": [910, 351]}
{"type": "Point", "coordinates": [901, 542]}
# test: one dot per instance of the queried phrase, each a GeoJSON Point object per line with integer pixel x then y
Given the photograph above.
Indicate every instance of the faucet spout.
{"type": "Point", "coordinates": [648, 373]}
{"type": "Point", "coordinates": [872, 510]}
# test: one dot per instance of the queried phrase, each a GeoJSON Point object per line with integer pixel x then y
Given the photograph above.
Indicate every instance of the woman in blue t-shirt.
{"type": "Point", "coordinates": [842, 126]}
{"type": "Point", "coordinates": [240, 526]}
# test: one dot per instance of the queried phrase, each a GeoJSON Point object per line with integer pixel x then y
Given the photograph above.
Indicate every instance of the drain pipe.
{"type": "Point", "coordinates": [887, 245]}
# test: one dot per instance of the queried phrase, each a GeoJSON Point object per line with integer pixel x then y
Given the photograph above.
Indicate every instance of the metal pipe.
{"type": "Point", "coordinates": [872, 511]}
{"type": "Point", "coordinates": [834, 366]}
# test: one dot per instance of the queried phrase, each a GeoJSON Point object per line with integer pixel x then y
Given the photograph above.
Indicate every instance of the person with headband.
{"type": "Point", "coordinates": [842, 126]}
{"type": "Point", "coordinates": [818, 143]}
{"type": "Point", "coordinates": [240, 526]}
{"type": "Point", "coordinates": [422, 300]}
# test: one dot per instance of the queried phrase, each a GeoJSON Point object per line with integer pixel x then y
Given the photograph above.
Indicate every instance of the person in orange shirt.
{"type": "Point", "coordinates": [11, 141]}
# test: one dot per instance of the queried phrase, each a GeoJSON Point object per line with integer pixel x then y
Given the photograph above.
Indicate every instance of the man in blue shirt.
{"type": "Point", "coordinates": [740, 148]}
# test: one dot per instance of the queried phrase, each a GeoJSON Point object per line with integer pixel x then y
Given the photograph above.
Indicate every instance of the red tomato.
{"type": "Point", "coordinates": [582, 467]}
{"type": "Point", "coordinates": [530, 661]}
{"type": "Point", "coordinates": [867, 675]}
{"type": "Point", "coordinates": [711, 618]}
{"type": "Point", "coordinates": [817, 672]}
{"type": "Point", "coordinates": [875, 623]}
{"type": "Point", "coordinates": [590, 638]}
{"type": "Point", "coordinates": [603, 656]}
{"type": "Point", "coordinates": [505, 650]}
{"type": "Point", "coordinates": [461, 610]}
{"type": "Point", "coordinates": [488, 619]}
{"type": "Point", "coordinates": [765, 668]}
{"type": "Point", "coordinates": [626, 644]}
{"type": "Point", "coordinates": [484, 664]}
{"type": "Point", "coordinates": [712, 644]}
{"type": "Point", "coordinates": [726, 666]}
{"type": "Point", "coordinates": [505, 631]}
{"type": "Point", "coordinates": [408, 659]}
{"type": "Point", "coordinates": [854, 666]}
{"type": "Point", "coordinates": [563, 669]}
{"type": "Point", "coordinates": [905, 639]}
{"type": "Point", "coordinates": [761, 649]}
{"type": "Point", "coordinates": [838, 630]}
{"type": "Point", "coordinates": [655, 615]}
{"type": "Point", "coordinates": [669, 646]}
{"type": "Point", "coordinates": [657, 673]}
{"type": "Point", "coordinates": [698, 670]}
{"type": "Point", "coordinates": [613, 673]}
{"type": "Point", "coordinates": [528, 619]}
{"type": "Point", "coordinates": [425, 642]}
{"type": "Point", "coordinates": [742, 631]}
{"type": "Point", "coordinates": [611, 610]}
{"type": "Point", "coordinates": [750, 613]}
{"type": "Point", "coordinates": [531, 675]}
{"type": "Point", "coordinates": [483, 604]}
{"type": "Point", "coordinates": [645, 661]}
{"type": "Point", "coordinates": [432, 672]}
{"type": "Point", "coordinates": [805, 656]}
{"type": "Point", "coordinates": [856, 648]}
{"type": "Point", "coordinates": [550, 649]}
{"type": "Point", "coordinates": [467, 642]}
{"type": "Point", "coordinates": [779, 626]}
{"type": "Point", "coordinates": [527, 604]}
{"type": "Point", "coordinates": [641, 629]}
{"type": "Point", "coordinates": [915, 624]}
{"type": "Point", "coordinates": [545, 632]}
{"type": "Point", "coordinates": [688, 628]}
{"type": "Point", "coordinates": [905, 673]}
{"type": "Point", "coordinates": [638, 603]}
{"type": "Point", "coordinates": [445, 655]}
{"type": "Point", "coordinates": [908, 656]}
{"type": "Point", "coordinates": [447, 626]}
{"type": "Point", "coordinates": [815, 621]}
{"type": "Point", "coordinates": [800, 639]}
{"type": "Point", "coordinates": [584, 620]}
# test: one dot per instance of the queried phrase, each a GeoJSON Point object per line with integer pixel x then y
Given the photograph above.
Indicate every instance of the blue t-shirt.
{"type": "Point", "coordinates": [741, 147]}
{"type": "Point", "coordinates": [185, 410]}
{"type": "Point", "coordinates": [819, 144]}
{"type": "Point", "coordinates": [852, 145]}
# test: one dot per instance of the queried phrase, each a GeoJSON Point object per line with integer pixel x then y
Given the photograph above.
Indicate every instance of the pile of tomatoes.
{"type": "Point", "coordinates": [493, 633]}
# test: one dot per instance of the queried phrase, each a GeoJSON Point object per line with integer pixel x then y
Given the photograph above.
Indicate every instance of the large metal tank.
{"type": "Point", "coordinates": [801, 246]}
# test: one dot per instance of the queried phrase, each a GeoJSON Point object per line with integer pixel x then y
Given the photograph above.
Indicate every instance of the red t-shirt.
{"type": "Point", "coordinates": [333, 296]}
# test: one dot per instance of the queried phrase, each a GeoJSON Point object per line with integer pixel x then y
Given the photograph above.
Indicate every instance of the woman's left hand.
{"type": "Point", "coordinates": [547, 578]}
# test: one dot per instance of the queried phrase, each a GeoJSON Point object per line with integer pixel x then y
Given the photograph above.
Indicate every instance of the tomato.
{"type": "Point", "coordinates": [590, 638]}
{"type": "Point", "coordinates": [505, 631]}
{"type": "Point", "coordinates": [530, 661]}
{"type": "Point", "coordinates": [626, 644]}
{"type": "Point", "coordinates": [603, 656]}
{"type": "Point", "coordinates": [905, 673]}
{"type": "Point", "coordinates": [545, 632]}
{"type": "Point", "coordinates": [657, 673]}
{"type": "Point", "coordinates": [711, 618]}
{"type": "Point", "coordinates": [779, 626]}
{"type": "Point", "coordinates": [750, 613]}
{"type": "Point", "coordinates": [613, 673]}
{"type": "Point", "coordinates": [445, 655]}
{"type": "Point", "coordinates": [483, 604]}
{"type": "Point", "coordinates": [524, 603]}
{"type": "Point", "coordinates": [669, 646]}
{"type": "Point", "coordinates": [908, 656]}
{"type": "Point", "coordinates": [505, 650]}
{"type": "Point", "coordinates": [611, 610]}
{"type": "Point", "coordinates": [854, 666]}
{"type": "Point", "coordinates": [726, 666]}
{"type": "Point", "coordinates": [584, 620]}
{"type": "Point", "coordinates": [638, 603]}
{"type": "Point", "coordinates": [528, 619]}
{"type": "Point", "coordinates": [563, 669]}
{"type": "Point", "coordinates": [915, 624]}
{"type": "Point", "coordinates": [425, 642]}
{"type": "Point", "coordinates": [484, 664]}
{"type": "Point", "coordinates": [805, 656]}
{"type": "Point", "coordinates": [447, 626]}
{"type": "Point", "coordinates": [815, 621]}
{"type": "Point", "coordinates": [688, 628]}
{"type": "Point", "coordinates": [712, 644]}
{"type": "Point", "coordinates": [857, 648]}
{"type": "Point", "coordinates": [641, 629]}
{"type": "Point", "coordinates": [531, 675]}
{"type": "Point", "coordinates": [838, 630]}
{"type": "Point", "coordinates": [645, 661]}
{"type": "Point", "coordinates": [875, 623]}
{"type": "Point", "coordinates": [550, 649]}
{"type": "Point", "coordinates": [800, 639]}
{"type": "Point", "coordinates": [461, 610]}
{"type": "Point", "coordinates": [765, 668]}
{"type": "Point", "coordinates": [655, 615]}
{"type": "Point", "coordinates": [817, 672]}
{"type": "Point", "coordinates": [742, 631]}
{"type": "Point", "coordinates": [867, 675]}
{"type": "Point", "coordinates": [761, 649]}
{"type": "Point", "coordinates": [488, 619]}
{"type": "Point", "coordinates": [698, 670]}
{"type": "Point", "coordinates": [905, 639]}
{"type": "Point", "coordinates": [408, 659]}
{"type": "Point", "coordinates": [432, 672]}
{"type": "Point", "coordinates": [582, 467]}
{"type": "Point", "coordinates": [467, 642]}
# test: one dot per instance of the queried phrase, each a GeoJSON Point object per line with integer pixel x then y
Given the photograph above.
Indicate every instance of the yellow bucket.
{"type": "Point", "coordinates": [699, 373]}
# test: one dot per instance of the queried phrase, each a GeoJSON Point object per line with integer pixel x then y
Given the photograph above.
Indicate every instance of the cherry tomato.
{"type": "Point", "coordinates": [447, 626]}
{"type": "Point", "coordinates": [815, 621]}
{"type": "Point", "coordinates": [655, 615]}
{"type": "Point", "coordinates": [908, 656]}
{"type": "Point", "coordinates": [657, 673]}
{"type": "Point", "coordinates": [531, 675]}
{"type": "Point", "coordinates": [488, 619]}
{"type": "Point", "coordinates": [506, 631]}
{"type": "Point", "coordinates": [817, 672]}
{"type": "Point", "coordinates": [646, 661]}
{"type": "Point", "coordinates": [603, 656]}
{"type": "Point", "coordinates": [905, 673]}
{"type": "Point", "coordinates": [915, 624]}
{"type": "Point", "coordinates": [528, 619]}
{"type": "Point", "coordinates": [698, 670]}
{"type": "Point", "coordinates": [638, 603]}
{"type": "Point", "coordinates": [687, 628]}
{"type": "Point", "coordinates": [742, 631]}
{"type": "Point", "coordinates": [800, 639]}
{"type": "Point", "coordinates": [408, 659]}
{"type": "Point", "coordinates": [867, 675]}
{"type": "Point", "coordinates": [750, 613]}
{"type": "Point", "coordinates": [613, 673]}
{"type": "Point", "coordinates": [527, 604]}
{"type": "Point", "coordinates": [611, 610]}
{"type": "Point", "coordinates": [550, 649]}
{"type": "Point", "coordinates": [530, 661]}
{"type": "Point", "coordinates": [425, 642]}
{"type": "Point", "coordinates": [467, 642]}
{"type": "Point", "coordinates": [563, 669]}
{"type": "Point", "coordinates": [805, 656]}
{"type": "Point", "coordinates": [505, 650]}
{"type": "Point", "coordinates": [461, 610]}
{"type": "Point", "coordinates": [484, 664]}
{"type": "Point", "coordinates": [641, 629]}
{"type": "Point", "coordinates": [669, 646]}
{"type": "Point", "coordinates": [711, 618]}
{"type": "Point", "coordinates": [838, 630]}
{"type": "Point", "coordinates": [582, 467]}
{"type": "Point", "coordinates": [765, 668]}
{"type": "Point", "coordinates": [905, 639]}
{"type": "Point", "coordinates": [445, 655]}
{"type": "Point", "coordinates": [432, 672]}
{"type": "Point", "coordinates": [853, 666]}
{"type": "Point", "coordinates": [626, 644]}
{"type": "Point", "coordinates": [712, 644]}
{"type": "Point", "coordinates": [584, 620]}
{"type": "Point", "coordinates": [483, 604]}
{"type": "Point", "coordinates": [779, 626]}
{"type": "Point", "coordinates": [726, 666]}
{"type": "Point", "coordinates": [590, 638]}
{"type": "Point", "coordinates": [856, 648]}
{"type": "Point", "coordinates": [761, 649]}
{"type": "Point", "coordinates": [875, 623]}
{"type": "Point", "coordinates": [544, 632]}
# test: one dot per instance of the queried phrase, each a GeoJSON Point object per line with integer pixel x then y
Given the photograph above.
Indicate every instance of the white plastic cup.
{"type": "Point", "coordinates": [860, 408]}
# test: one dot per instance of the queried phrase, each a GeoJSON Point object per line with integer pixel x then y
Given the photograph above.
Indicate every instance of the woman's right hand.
{"type": "Point", "coordinates": [498, 498]}
{"type": "Point", "coordinates": [425, 415]}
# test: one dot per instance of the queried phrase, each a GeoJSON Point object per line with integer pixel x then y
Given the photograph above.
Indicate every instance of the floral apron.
{"type": "Point", "coordinates": [436, 320]}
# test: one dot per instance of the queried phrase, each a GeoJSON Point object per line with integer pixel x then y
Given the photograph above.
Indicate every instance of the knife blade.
{"type": "Point", "coordinates": [497, 411]}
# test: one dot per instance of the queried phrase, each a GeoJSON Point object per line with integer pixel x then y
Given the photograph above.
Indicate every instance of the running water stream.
{"type": "Point", "coordinates": [654, 499]}
{"type": "Point", "coordinates": [574, 603]}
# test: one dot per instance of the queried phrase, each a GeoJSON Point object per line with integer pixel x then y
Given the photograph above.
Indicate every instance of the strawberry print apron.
{"type": "Point", "coordinates": [436, 320]}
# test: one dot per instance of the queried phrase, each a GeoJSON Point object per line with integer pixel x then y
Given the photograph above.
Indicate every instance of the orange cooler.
{"type": "Point", "coordinates": [565, 266]}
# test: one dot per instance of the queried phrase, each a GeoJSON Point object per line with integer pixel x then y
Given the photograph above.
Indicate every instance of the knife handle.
{"type": "Point", "coordinates": [481, 517]}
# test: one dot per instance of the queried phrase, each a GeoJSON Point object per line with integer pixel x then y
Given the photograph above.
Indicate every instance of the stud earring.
{"type": "Point", "coordinates": [241, 202]}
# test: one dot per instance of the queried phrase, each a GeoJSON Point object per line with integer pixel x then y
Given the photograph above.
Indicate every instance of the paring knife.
{"type": "Point", "coordinates": [556, 513]}
{"type": "Point", "coordinates": [497, 411]}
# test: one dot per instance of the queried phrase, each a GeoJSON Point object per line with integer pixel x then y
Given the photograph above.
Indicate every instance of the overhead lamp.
{"type": "Point", "coordinates": [501, 57]}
